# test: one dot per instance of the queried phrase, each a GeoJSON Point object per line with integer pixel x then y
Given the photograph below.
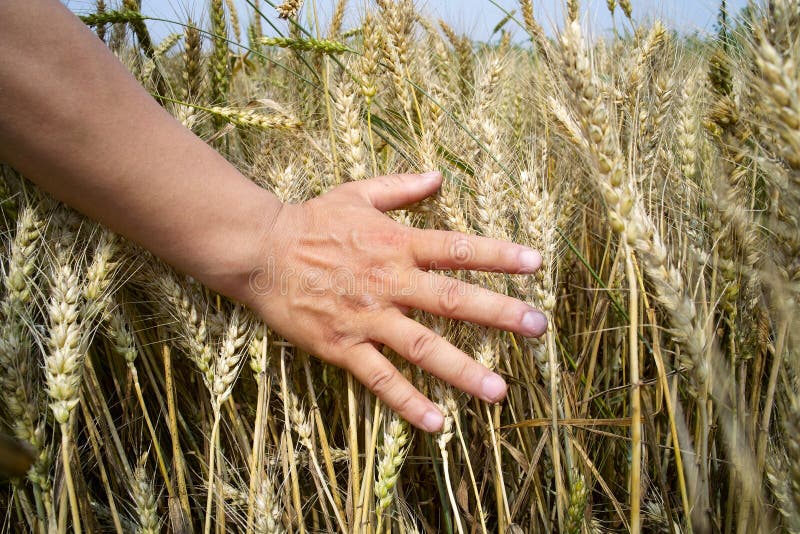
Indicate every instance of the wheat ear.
{"type": "Point", "coordinates": [144, 501]}
{"type": "Point", "coordinates": [220, 382]}
{"type": "Point", "coordinates": [289, 9]}
{"type": "Point", "coordinates": [348, 112]}
{"type": "Point", "coordinates": [447, 405]}
{"type": "Point", "coordinates": [391, 457]}
{"type": "Point", "coordinates": [220, 75]}
{"type": "Point", "coordinates": [64, 361]}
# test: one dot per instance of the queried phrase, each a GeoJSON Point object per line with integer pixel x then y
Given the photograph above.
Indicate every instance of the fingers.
{"type": "Point", "coordinates": [373, 370]}
{"type": "Point", "coordinates": [448, 297]}
{"type": "Point", "coordinates": [395, 191]}
{"type": "Point", "coordinates": [424, 348]}
{"type": "Point", "coordinates": [436, 249]}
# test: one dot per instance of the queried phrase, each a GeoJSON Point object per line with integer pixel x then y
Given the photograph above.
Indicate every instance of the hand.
{"type": "Point", "coordinates": [337, 277]}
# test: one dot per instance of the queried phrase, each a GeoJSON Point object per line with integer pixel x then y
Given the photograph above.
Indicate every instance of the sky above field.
{"type": "Point", "coordinates": [477, 17]}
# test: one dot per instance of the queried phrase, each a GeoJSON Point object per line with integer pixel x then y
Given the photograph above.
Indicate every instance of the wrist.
{"type": "Point", "coordinates": [237, 242]}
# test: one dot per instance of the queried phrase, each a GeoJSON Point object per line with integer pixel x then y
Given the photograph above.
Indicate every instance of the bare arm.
{"type": "Point", "coordinates": [77, 123]}
{"type": "Point", "coordinates": [74, 121]}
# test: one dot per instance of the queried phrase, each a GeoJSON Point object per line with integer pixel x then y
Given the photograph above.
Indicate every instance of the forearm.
{"type": "Point", "coordinates": [74, 121]}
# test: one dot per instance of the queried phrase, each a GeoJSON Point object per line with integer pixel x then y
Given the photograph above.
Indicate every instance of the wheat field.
{"type": "Point", "coordinates": [657, 173]}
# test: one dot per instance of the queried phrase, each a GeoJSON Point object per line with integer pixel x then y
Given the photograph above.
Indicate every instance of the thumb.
{"type": "Point", "coordinates": [395, 191]}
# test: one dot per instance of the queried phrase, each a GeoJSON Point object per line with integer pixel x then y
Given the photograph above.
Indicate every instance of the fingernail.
{"type": "Point", "coordinates": [493, 387]}
{"type": "Point", "coordinates": [431, 176]}
{"type": "Point", "coordinates": [529, 261]}
{"type": "Point", "coordinates": [432, 421]}
{"type": "Point", "coordinates": [534, 323]}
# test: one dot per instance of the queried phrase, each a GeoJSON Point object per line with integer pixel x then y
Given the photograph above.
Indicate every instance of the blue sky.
{"type": "Point", "coordinates": [476, 17]}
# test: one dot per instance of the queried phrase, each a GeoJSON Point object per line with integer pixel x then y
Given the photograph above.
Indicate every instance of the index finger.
{"type": "Point", "coordinates": [438, 249]}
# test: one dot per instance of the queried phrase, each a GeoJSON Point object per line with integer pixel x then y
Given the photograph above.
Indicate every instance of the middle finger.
{"type": "Point", "coordinates": [448, 297]}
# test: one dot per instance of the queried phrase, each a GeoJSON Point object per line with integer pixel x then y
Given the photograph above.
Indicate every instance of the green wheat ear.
{"type": "Point", "coordinates": [112, 17]}
{"type": "Point", "coordinates": [317, 45]}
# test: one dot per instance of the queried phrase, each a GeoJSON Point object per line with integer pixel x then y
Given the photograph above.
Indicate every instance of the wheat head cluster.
{"type": "Point", "coordinates": [658, 173]}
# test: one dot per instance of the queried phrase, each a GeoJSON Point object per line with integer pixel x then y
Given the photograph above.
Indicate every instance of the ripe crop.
{"type": "Point", "coordinates": [657, 173]}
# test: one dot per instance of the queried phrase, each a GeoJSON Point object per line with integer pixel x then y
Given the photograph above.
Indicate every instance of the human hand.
{"type": "Point", "coordinates": [336, 276]}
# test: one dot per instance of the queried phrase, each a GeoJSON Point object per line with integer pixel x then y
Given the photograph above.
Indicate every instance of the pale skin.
{"type": "Point", "coordinates": [76, 123]}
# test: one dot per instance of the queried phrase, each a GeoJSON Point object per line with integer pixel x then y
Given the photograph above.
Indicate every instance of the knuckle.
{"type": "Point", "coordinates": [449, 296]}
{"type": "Point", "coordinates": [462, 370]}
{"type": "Point", "coordinates": [399, 237]}
{"type": "Point", "coordinates": [337, 345]}
{"type": "Point", "coordinates": [381, 380]}
{"type": "Point", "coordinates": [336, 337]}
{"type": "Point", "coordinates": [460, 247]}
{"type": "Point", "coordinates": [367, 303]}
{"type": "Point", "coordinates": [404, 403]}
{"type": "Point", "coordinates": [346, 188]}
{"type": "Point", "coordinates": [390, 180]}
{"type": "Point", "coordinates": [421, 347]}
{"type": "Point", "coordinates": [508, 312]}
